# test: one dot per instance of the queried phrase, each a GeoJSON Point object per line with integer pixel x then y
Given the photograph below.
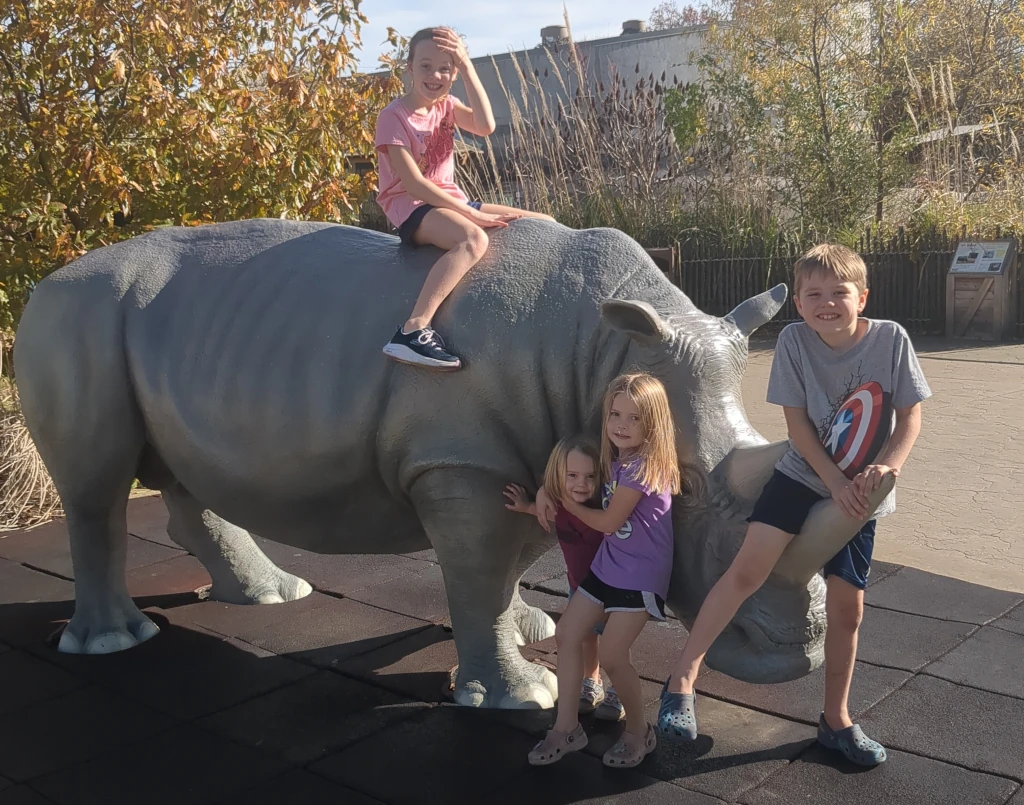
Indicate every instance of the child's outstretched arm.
{"type": "Point", "coordinates": [847, 495]}
{"type": "Point", "coordinates": [610, 520]}
{"type": "Point", "coordinates": [518, 501]}
{"type": "Point", "coordinates": [476, 118]}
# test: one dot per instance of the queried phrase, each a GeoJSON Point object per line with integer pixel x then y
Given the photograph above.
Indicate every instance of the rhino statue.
{"type": "Point", "coordinates": [237, 369]}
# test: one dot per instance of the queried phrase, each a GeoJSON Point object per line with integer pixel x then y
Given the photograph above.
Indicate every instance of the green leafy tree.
{"type": "Point", "coordinates": [811, 105]}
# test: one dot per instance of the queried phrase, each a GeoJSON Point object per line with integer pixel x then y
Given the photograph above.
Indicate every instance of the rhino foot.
{"type": "Point", "coordinates": [532, 624]}
{"type": "Point", "coordinates": [526, 686]}
{"type": "Point", "coordinates": [106, 629]}
{"type": "Point", "coordinates": [280, 588]}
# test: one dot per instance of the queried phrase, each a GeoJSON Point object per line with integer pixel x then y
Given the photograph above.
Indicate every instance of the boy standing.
{"type": "Point", "coordinates": [851, 389]}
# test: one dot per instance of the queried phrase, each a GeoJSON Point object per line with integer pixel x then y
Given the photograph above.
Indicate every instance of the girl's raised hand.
{"type": "Point", "coordinates": [518, 501]}
{"type": "Point", "coordinates": [451, 42]}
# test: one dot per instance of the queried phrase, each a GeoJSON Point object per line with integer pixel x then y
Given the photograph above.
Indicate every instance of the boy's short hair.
{"type": "Point", "coordinates": [834, 260]}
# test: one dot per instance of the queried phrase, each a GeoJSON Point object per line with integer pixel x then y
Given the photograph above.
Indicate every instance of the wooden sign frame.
{"type": "Point", "coordinates": [982, 277]}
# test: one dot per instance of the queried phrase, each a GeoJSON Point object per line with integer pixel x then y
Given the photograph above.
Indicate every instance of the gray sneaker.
{"type": "Point", "coordinates": [611, 708]}
{"type": "Point", "coordinates": [591, 695]}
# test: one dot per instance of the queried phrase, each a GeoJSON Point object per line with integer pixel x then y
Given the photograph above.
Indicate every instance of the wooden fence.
{"type": "Point", "coordinates": [907, 280]}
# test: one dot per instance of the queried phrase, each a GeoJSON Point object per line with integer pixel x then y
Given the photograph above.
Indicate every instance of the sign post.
{"type": "Point", "coordinates": [981, 290]}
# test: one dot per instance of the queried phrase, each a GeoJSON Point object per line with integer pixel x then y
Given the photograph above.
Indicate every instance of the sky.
{"type": "Point", "coordinates": [494, 26]}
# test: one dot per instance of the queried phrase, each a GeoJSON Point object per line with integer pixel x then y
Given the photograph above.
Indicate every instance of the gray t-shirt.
{"type": "Point", "coordinates": [850, 396]}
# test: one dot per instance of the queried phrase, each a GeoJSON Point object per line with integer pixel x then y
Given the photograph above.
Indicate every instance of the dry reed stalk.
{"type": "Point", "coordinates": [588, 154]}
{"type": "Point", "coordinates": [27, 494]}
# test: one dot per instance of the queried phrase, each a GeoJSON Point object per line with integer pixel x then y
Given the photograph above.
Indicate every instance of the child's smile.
{"type": "Point", "coordinates": [830, 307]}
{"type": "Point", "coordinates": [624, 428]}
{"type": "Point", "coordinates": [433, 72]}
{"type": "Point", "coordinates": [580, 477]}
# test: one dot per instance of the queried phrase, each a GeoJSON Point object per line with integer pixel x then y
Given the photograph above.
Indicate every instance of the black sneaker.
{"type": "Point", "coordinates": [421, 348]}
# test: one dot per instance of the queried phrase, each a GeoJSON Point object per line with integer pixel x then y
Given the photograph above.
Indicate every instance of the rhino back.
{"type": "Point", "coordinates": [526, 323]}
{"type": "Point", "coordinates": [254, 351]}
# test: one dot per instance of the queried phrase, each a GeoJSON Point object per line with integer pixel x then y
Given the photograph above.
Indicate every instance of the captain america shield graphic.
{"type": "Point", "coordinates": [859, 428]}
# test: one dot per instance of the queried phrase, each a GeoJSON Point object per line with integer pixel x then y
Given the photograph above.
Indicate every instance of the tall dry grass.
{"type": "Point", "coordinates": [27, 494]}
{"type": "Point", "coordinates": [602, 155]}
{"type": "Point", "coordinates": [605, 155]}
{"type": "Point", "coordinates": [588, 155]}
{"type": "Point", "coordinates": [971, 182]}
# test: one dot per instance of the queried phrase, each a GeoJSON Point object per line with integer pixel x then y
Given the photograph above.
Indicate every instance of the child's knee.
{"type": "Point", "coordinates": [747, 577]}
{"type": "Point", "coordinates": [846, 617]}
{"type": "Point", "coordinates": [612, 659]}
{"type": "Point", "coordinates": [476, 242]}
{"type": "Point", "coordinates": [844, 606]}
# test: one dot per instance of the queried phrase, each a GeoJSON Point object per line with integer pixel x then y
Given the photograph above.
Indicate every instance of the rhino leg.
{"type": "Point", "coordinates": [478, 545]}
{"type": "Point", "coordinates": [533, 624]}
{"type": "Point", "coordinates": [241, 572]}
{"type": "Point", "coordinates": [106, 619]}
{"type": "Point", "coordinates": [78, 405]}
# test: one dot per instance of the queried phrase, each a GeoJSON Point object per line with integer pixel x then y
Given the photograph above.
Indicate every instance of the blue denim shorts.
{"type": "Point", "coordinates": [412, 223]}
{"type": "Point", "coordinates": [785, 503]}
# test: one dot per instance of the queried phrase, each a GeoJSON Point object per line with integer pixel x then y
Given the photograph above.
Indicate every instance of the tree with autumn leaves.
{"type": "Point", "coordinates": [118, 116]}
{"type": "Point", "coordinates": [835, 108]}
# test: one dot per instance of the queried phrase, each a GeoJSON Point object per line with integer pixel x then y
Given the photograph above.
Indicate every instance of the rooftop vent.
{"type": "Point", "coordinates": [554, 35]}
{"type": "Point", "coordinates": [634, 27]}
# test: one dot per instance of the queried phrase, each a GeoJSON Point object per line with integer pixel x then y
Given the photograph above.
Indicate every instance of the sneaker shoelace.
{"type": "Point", "coordinates": [591, 689]}
{"type": "Point", "coordinates": [429, 337]}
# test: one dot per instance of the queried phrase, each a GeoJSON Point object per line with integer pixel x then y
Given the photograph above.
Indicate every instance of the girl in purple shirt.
{"type": "Point", "coordinates": [573, 472]}
{"type": "Point", "coordinates": [629, 577]}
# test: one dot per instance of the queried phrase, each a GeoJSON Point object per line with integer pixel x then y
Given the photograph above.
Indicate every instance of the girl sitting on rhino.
{"type": "Point", "coordinates": [416, 144]}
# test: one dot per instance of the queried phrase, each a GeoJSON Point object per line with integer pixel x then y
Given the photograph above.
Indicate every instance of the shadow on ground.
{"type": "Point", "coordinates": [345, 694]}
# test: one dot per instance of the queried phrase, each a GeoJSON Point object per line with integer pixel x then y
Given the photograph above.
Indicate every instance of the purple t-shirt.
{"type": "Point", "coordinates": [639, 555]}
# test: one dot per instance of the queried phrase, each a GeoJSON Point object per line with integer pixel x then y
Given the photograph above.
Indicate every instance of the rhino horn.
{"type": "Point", "coordinates": [747, 468]}
{"type": "Point", "coordinates": [638, 320]}
{"type": "Point", "coordinates": [758, 310]}
{"type": "Point", "coordinates": [825, 532]}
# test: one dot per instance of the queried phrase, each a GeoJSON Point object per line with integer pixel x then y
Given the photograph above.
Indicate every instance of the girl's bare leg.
{"type": "Point", "coordinates": [591, 666]}
{"type": "Point", "coordinates": [759, 553]}
{"type": "Point", "coordinates": [578, 619]}
{"type": "Point", "coordinates": [465, 244]}
{"type": "Point", "coordinates": [620, 633]}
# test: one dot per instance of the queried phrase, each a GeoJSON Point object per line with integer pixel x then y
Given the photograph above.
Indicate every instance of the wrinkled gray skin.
{"type": "Point", "coordinates": [238, 369]}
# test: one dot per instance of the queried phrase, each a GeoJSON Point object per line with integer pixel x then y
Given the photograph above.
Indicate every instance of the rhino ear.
{"type": "Point", "coordinates": [758, 310]}
{"type": "Point", "coordinates": [638, 320]}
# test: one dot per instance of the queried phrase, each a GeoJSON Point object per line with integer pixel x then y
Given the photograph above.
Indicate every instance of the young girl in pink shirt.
{"type": "Point", "coordinates": [416, 144]}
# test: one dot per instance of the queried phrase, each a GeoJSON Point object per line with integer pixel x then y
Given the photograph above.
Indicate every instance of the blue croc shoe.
{"type": "Point", "coordinates": [677, 716]}
{"type": "Point", "coordinates": [852, 742]}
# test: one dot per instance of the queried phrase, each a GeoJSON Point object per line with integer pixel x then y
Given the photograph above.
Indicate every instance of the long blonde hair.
{"type": "Point", "coordinates": [557, 468]}
{"type": "Point", "coordinates": [659, 468]}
